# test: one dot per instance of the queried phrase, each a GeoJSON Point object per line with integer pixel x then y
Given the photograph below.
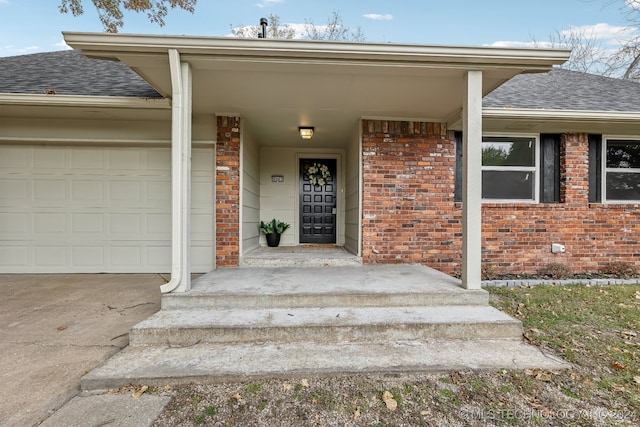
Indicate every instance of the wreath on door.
{"type": "Point", "coordinates": [318, 174]}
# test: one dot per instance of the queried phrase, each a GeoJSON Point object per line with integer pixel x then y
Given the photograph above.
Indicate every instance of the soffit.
{"type": "Point", "coordinates": [276, 86]}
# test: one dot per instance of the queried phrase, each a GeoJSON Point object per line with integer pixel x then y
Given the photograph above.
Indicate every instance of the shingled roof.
{"type": "Point", "coordinates": [566, 90]}
{"type": "Point", "coordinates": [68, 72]}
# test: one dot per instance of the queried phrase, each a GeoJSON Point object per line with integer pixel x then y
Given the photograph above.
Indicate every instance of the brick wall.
{"type": "Point", "coordinates": [408, 189]}
{"type": "Point", "coordinates": [228, 192]}
{"type": "Point", "coordinates": [409, 214]}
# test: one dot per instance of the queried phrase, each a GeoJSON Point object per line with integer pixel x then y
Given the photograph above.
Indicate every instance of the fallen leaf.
{"type": "Point", "coordinates": [140, 391]}
{"type": "Point", "coordinates": [425, 412]}
{"type": "Point", "coordinates": [388, 400]}
{"type": "Point", "coordinates": [236, 397]}
{"type": "Point", "coordinates": [619, 366]}
{"type": "Point", "coordinates": [543, 376]}
{"type": "Point", "coordinates": [62, 328]}
{"type": "Point", "coordinates": [636, 379]}
{"type": "Point", "coordinates": [618, 388]}
{"type": "Point", "coordinates": [356, 413]}
{"type": "Point", "coordinates": [287, 387]}
{"type": "Point", "coordinates": [304, 382]}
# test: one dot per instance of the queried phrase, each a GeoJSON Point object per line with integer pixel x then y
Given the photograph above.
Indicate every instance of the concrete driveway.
{"type": "Point", "coordinates": [56, 328]}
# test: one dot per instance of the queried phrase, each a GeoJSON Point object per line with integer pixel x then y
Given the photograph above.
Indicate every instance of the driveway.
{"type": "Point", "coordinates": [56, 328]}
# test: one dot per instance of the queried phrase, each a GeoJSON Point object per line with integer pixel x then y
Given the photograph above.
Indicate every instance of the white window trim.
{"type": "Point", "coordinates": [535, 169]}
{"type": "Point", "coordinates": [604, 169]}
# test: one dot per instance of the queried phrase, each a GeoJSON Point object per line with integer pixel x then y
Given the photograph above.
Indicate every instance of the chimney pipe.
{"type": "Point", "coordinates": [263, 24]}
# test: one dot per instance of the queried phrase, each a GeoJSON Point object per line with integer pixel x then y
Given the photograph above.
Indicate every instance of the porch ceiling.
{"type": "Point", "coordinates": [277, 85]}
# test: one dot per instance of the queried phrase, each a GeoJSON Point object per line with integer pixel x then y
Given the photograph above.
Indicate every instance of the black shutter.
{"type": "Point", "coordinates": [458, 176]}
{"type": "Point", "coordinates": [595, 168]}
{"type": "Point", "coordinates": [550, 168]}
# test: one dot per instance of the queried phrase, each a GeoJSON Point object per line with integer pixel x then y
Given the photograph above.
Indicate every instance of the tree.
{"type": "Point", "coordinates": [333, 30]}
{"type": "Point", "coordinates": [275, 30]}
{"type": "Point", "coordinates": [588, 54]}
{"type": "Point", "coordinates": [111, 11]}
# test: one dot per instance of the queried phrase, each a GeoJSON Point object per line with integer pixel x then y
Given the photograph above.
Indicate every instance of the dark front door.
{"type": "Point", "coordinates": [318, 201]}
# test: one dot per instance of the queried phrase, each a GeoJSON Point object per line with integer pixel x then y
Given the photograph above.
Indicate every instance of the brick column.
{"type": "Point", "coordinates": [574, 169]}
{"type": "Point", "coordinates": [228, 192]}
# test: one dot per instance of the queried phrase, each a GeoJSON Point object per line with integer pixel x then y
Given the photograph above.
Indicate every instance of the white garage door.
{"type": "Point", "coordinates": [90, 210]}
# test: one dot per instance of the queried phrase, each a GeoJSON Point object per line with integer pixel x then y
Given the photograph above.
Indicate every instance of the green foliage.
{"type": "Point", "coordinates": [273, 226]}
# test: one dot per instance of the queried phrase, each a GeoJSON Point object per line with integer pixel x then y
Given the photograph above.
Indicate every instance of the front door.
{"type": "Point", "coordinates": [318, 201]}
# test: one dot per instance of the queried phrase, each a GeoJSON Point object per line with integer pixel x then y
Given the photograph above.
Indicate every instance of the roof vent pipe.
{"type": "Point", "coordinates": [263, 24]}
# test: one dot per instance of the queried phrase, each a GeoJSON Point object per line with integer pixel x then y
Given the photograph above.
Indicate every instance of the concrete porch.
{"type": "Point", "coordinates": [258, 322]}
{"type": "Point", "coordinates": [304, 255]}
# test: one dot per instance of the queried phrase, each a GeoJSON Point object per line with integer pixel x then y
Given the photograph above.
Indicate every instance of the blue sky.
{"type": "Point", "coordinates": [29, 26]}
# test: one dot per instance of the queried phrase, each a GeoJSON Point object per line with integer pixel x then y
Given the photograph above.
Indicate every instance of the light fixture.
{"type": "Point", "coordinates": [306, 132]}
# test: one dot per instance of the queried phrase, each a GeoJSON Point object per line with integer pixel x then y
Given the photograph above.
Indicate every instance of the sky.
{"type": "Point", "coordinates": [31, 26]}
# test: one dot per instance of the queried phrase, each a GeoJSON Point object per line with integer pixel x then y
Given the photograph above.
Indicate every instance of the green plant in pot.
{"type": "Point", "coordinates": [272, 231]}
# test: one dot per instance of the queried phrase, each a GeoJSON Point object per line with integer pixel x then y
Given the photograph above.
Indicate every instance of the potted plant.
{"type": "Point", "coordinates": [272, 231]}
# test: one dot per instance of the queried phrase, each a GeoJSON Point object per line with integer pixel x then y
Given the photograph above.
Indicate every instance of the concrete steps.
{"type": "Point", "coordinates": [244, 322]}
{"type": "Point", "coordinates": [324, 325]}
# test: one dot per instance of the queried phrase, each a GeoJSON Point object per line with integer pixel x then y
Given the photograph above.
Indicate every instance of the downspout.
{"type": "Point", "coordinates": [180, 174]}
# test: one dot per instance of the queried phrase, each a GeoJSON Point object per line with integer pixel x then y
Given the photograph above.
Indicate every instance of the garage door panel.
{"type": "Point", "coordinates": [87, 192]}
{"type": "Point", "coordinates": [49, 223]}
{"type": "Point", "coordinates": [14, 190]}
{"type": "Point", "coordinates": [88, 256]}
{"type": "Point", "coordinates": [45, 158]}
{"type": "Point", "coordinates": [88, 159]}
{"type": "Point", "coordinates": [13, 223]}
{"type": "Point", "coordinates": [92, 224]}
{"type": "Point", "coordinates": [48, 190]}
{"type": "Point", "coordinates": [14, 254]}
{"type": "Point", "coordinates": [50, 256]}
{"type": "Point", "coordinates": [86, 210]}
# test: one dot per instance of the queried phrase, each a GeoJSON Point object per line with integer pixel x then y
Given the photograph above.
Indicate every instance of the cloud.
{"type": "Point", "coordinates": [62, 45]}
{"type": "Point", "coordinates": [4, 1]}
{"type": "Point", "coordinates": [633, 4]}
{"type": "Point", "coordinates": [518, 44]}
{"type": "Point", "coordinates": [609, 34]}
{"type": "Point", "coordinates": [265, 3]}
{"type": "Point", "coordinates": [379, 17]}
{"type": "Point", "coordinates": [10, 50]}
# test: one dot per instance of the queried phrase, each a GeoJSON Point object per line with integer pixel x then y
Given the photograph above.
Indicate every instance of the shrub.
{"type": "Point", "coordinates": [620, 269]}
{"type": "Point", "coordinates": [556, 270]}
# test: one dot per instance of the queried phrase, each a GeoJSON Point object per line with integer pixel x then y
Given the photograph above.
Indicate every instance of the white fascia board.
{"type": "Point", "coordinates": [560, 115]}
{"type": "Point", "coordinates": [112, 45]}
{"type": "Point", "coordinates": [84, 101]}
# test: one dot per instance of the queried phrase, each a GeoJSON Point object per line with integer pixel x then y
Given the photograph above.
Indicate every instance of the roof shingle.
{"type": "Point", "coordinates": [68, 72]}
{"type": "Point", "coordinates": [566, 90]}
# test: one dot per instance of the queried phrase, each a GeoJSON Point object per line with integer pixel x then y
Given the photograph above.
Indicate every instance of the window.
{"type": "Point", "coordinates": [510, 168]}
{"type": "Point", "coordinates": [621, 164]}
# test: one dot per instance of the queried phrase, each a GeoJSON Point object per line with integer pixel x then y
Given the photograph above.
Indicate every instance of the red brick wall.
{"type": "Point", "coordinates": [228, 192]}
{"type": "Point", "coordinates": [408, 189]}
{"type": "Point", "coordinates": [409, 214]}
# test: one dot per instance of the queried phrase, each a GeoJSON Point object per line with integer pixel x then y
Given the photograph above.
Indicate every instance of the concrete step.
{"type": "Point", "coordinates": [300, 256]}
{"type": "Point", "coordinates": [363, 286]}
{"type": "Point", "coordinates": [165, 365]}
{"type": "Point", "coordinates": [324, 325]}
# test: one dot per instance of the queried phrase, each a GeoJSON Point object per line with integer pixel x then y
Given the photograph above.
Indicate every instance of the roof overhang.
{"type": "Point", "coordinates": [278, 85]}
{"type": "Point", "coordinates": [561, 121]}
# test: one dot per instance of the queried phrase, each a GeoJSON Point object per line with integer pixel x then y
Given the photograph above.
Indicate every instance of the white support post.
{"type": "Point", "coordinates": [472, 181]}
{"type": "Point", "coordinates": [180, 175]}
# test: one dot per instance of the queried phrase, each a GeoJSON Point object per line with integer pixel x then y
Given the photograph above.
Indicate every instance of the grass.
{"type": "Point", "coordinates": [595, 328]}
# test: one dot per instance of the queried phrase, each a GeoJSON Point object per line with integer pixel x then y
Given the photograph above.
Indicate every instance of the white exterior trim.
{"type": "Point", "coordinates": [84, 101]}
{"type": "Point", "coordinates": [472, 181]}
{"type": "Point", "coordinates": [560, 115]}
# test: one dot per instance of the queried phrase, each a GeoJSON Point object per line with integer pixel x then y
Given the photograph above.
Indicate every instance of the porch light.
{"type": "Point", "coordinates": [306, 132]}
